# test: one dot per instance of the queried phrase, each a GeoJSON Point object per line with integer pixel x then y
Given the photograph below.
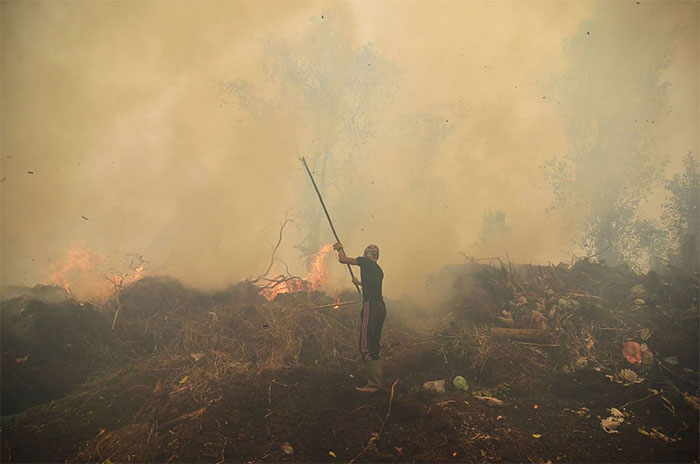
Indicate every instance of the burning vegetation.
{"type": "Point", "coordinates": [91, 275]}
{"type": "Point", "coordinates": [289, 284]}
{"type": "Point", "coordinates": [247, 374]}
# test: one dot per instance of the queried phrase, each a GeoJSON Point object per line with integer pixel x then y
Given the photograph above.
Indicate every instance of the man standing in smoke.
{"type": "Point", "coordinates": [373, 312]}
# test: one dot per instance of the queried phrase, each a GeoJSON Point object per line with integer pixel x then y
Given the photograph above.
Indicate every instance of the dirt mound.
{"type": "Point", "coordinates": [45, 293]}
{"type": "Point", "coordinates": [48, 349]}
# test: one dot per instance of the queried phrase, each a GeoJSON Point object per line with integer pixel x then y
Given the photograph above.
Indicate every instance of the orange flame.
{"type": "Point", "coordinates": [311, 282]}
{"type": "Point", "coordinates": [79, 273]}
{"type": "Point", "coordinates": [317, 274]}
{"type": "Point", "coordinates": [69, 293]}
{"type": "Point", "coordinates": [76, 260]}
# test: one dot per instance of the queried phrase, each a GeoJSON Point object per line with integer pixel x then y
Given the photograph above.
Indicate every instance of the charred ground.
{"type": "Point", "coordinates": [189, 376]}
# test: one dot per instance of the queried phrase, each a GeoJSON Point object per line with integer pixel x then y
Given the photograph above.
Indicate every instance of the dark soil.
{"type": "Point", "coordinates": [318, 412]}
{"type": "Point", "coordinates": [48, 350]}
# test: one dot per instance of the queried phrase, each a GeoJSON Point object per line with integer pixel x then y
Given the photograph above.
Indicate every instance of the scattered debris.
{"type": "Point", "coordinates": [630, 377]}
{"type": "Point", "coordinates": [612, 422]}
{"type": "Point", "coordinates": [566, 304]}
{"type": "Point", "coordinates": [582, 411]}
{"type": "Point", "coordinates": [435, 385]}
{"type": "Point", "coordinates": [491, 401]}
{"type": "Point", "coordinates": [287, 448]}
{"type": "Point", "coordinates": [525, 335]}
{"type": "Point", "coordinates": [692, 401]}
{"type": "Point", "coordinates": [655, 433]}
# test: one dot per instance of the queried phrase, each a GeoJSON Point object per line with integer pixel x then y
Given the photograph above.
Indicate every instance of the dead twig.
{"type": "Point", "coordinates": [388, 412]}
{"type": "Point", "coordinates": [535, 344]}
{"type": "Point", "coordinates": [331, 305]}
{"type": "Point", "coordinates": [654, 393]}
{"type": "Point", "coordinates": [583, 296]}
{"type": "Point", "coordinates": [222, 452]}
{"type": "Point", "coordinates": [274, 249]}
{"type": "Point", "coordinates": [189, 415]}
{"type": "Point", "coordinates": [377, 436]}
{"type": "Point", "coordinates": [269, 390]}
{"type": "Point", "coordinates": [359, 409]}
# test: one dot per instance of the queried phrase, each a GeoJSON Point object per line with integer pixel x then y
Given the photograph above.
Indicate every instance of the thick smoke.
{"type": "Point", "coordinates": [172, 130]}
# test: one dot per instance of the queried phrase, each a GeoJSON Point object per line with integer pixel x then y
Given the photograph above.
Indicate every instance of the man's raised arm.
{"type": "Point", "coordinates": [342, 257]}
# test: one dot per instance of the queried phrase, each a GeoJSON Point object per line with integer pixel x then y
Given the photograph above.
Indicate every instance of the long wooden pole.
{"type": "Point", "coordinates": [328, 216]}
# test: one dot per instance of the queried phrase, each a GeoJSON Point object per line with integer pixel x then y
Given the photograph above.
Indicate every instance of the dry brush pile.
{"type": "Point", "coordinates": [510, 321]}
{"type": "Point", "coordinates": [166, 359]}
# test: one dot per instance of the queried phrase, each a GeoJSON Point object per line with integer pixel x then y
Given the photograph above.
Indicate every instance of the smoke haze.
{"type": "Point", "coordinates": [173, 130]}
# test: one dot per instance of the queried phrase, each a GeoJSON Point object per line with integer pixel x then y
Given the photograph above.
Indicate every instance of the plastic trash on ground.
{"type": "Point", "coordinates": [460, 383]}
{"type": "Point", "coordinates": [632, 352]}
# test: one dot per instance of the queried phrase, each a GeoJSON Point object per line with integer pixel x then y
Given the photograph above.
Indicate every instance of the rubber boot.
{"type": "Point", "coordinates": [373, 371]}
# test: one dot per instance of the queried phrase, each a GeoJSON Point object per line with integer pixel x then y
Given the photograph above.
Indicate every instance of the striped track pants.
{"type": "Point", "coordinates": [373, 314]}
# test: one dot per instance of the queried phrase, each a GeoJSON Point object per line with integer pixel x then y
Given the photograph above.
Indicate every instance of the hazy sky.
{"type": "Point", "coordinates": [175, 127]}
